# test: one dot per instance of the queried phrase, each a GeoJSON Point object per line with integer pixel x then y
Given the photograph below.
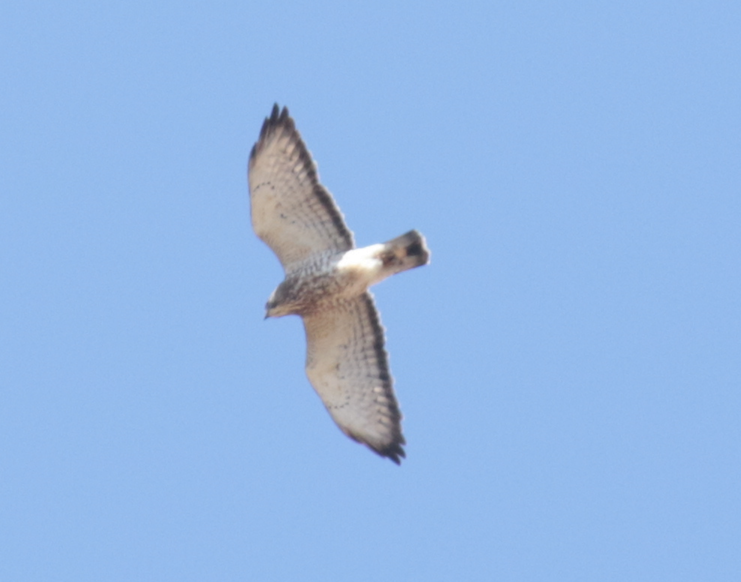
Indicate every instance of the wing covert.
{"type": "Point", "coordinates": [347, 365]}
{"type": "Point", "coordinates": [291, 211]}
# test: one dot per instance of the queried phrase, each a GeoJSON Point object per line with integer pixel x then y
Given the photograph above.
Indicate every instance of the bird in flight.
{"type": "Point", "coordinates": [326, 283]}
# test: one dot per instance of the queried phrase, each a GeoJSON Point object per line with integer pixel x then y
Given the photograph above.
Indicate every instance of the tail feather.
{"type": "Point", "coordinates": [406, 252]}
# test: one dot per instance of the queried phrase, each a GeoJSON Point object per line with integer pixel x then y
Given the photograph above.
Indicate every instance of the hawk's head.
{"type": "Point", "coordinates": [280, 301]}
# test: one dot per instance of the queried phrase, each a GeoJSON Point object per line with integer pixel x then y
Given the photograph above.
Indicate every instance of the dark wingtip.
{"type": "Point", "coordinates": [396, 455]}
{"type": "Point", "coordinates": [278, 119]}
{"type": "Point", "coordinates": [394, 452]}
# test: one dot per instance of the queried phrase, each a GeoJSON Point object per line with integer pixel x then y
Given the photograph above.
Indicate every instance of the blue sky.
{"type": "Point", "coordinates": [569, 365]}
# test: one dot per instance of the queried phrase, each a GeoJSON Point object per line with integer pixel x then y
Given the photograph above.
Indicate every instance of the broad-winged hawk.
{"type": "Point", "coordinates": [326, 283]}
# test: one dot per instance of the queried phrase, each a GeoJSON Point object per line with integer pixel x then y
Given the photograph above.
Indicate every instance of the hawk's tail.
{"type": "Point", "coordinates": [406, 252]}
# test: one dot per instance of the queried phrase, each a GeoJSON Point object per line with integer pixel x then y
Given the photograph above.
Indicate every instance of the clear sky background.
{"type": "Point", "coordinates": [569, 365]}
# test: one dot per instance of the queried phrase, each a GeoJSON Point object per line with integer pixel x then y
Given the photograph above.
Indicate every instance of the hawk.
{"type": "Point", "coordinates": [326, 283]}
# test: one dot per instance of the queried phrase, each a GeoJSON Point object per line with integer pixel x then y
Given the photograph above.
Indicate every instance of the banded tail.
{"type": "Point", "coordinates": [405, 252]}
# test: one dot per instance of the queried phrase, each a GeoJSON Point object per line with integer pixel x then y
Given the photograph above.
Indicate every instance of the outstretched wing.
{"type": "Point", "coordinates": [291, 211]}
{"type": "Point", "coordinates": [348, 367]}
